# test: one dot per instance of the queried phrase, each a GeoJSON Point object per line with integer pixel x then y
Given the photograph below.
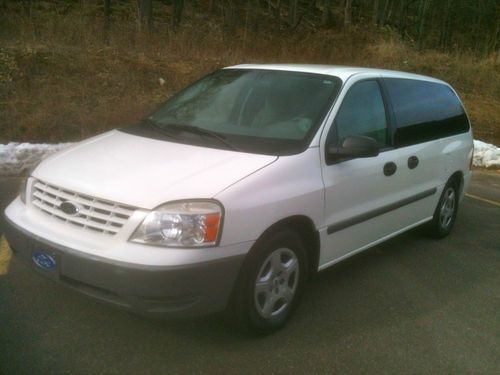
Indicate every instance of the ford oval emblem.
{"type": "Point", "coordinates": [44, 260]}
{"type": "Point", "coordinates": [69, 208]}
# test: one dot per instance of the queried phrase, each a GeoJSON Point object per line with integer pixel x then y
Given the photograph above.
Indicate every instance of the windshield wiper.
{"type": "Point", "coordinates": [201, 131]}
{"type": "Point", "coordinates": [157, 126]}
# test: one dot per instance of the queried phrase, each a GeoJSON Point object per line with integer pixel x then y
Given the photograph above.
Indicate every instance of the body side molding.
{"type": "Point", "coordinates": [379, 211]}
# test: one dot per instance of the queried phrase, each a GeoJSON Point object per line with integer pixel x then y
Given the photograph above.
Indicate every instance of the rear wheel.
{"type": "Point", "coordinates": [446, 211]}
{"type": "Point", "coordinates": [272, 282]}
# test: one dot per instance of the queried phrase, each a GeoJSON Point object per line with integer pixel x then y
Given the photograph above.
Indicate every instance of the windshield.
{"type": "Point", "coordinates": [262, 111]}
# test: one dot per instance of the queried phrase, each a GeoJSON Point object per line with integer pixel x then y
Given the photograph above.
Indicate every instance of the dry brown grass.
{"type": "Point", "coordinates": [59, 82]}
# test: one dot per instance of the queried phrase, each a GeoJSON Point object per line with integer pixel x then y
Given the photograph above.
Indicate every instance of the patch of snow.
{"type": "Point", "coordinates": [18, 158]}
{"type": "Point", "coordinates": [486, 155]}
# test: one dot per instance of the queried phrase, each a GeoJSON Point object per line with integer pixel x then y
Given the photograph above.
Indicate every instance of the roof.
{"type": "Point", "coordinates": [343, 72]}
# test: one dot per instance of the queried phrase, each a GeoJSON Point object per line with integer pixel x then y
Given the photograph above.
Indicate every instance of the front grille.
{"type": "Point", "coordinates": [94, 214]}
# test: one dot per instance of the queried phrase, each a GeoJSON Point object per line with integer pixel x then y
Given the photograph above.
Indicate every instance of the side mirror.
{"type": "Point", "coordinates": [355, 146]}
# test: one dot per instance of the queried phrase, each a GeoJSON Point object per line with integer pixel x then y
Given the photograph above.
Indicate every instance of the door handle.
{"type": "Point", "coordinates": [390, 168]}
{"type": "Point", "coordinates": [412, 162]}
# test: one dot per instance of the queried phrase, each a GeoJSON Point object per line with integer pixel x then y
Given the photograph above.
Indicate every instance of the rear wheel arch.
{"type": "Point", "coordinates": [446, 209]}
{"type": "Point", "coordinates": [458, 179]}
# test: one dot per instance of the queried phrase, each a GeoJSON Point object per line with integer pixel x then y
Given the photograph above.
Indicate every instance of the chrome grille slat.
{"type": "Point", "coordinates": [94, 214]}
{"type": "Point", "coordinates": [82, 199]}
{"type": "Point", "coordinates": [84, 211]}
{"type": "Point", "coordinates": [83, 221]}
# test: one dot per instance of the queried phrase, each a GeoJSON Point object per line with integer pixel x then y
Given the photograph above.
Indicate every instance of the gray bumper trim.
{"type": "Point", "coordinates": [169, 291]}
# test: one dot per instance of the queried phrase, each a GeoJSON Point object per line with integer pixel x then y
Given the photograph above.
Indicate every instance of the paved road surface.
{"type": "Point", "coordinates": [411, 305]}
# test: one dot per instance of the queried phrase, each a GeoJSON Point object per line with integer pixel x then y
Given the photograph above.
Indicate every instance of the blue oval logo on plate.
{"type": "Point", "coordinates": [43, 260]}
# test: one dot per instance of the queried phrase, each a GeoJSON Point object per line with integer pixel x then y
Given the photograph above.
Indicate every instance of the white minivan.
{"type": "Point", "coordinates": [237, 189]}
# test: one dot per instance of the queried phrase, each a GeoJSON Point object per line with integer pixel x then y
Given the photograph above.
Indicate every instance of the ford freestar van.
{"type": "Point", "coordinates": [244, 184]}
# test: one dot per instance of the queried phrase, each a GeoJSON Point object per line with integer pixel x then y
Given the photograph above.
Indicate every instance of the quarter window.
{"type": "Point", "coordinates": [424, 111]}
{"type": "Point", "coordinates": [362, 113]}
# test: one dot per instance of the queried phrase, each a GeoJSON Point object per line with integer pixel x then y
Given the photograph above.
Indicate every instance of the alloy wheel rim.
{"type": "Point", "coordinates": [276, 283]}
{"type": "Point", "coordinates": [447, 208]}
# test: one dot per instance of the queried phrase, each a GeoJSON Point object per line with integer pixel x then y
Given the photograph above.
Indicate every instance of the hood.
{"type": "Point", "coordinates": [145, 172]}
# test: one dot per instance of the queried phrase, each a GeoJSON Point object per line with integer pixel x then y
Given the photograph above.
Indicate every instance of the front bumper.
{"type": "Point", "coordinates": [167, 291]}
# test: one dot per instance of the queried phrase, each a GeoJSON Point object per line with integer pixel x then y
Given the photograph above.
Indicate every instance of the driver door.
{"type": "Point", "coordinates": [359, 192]}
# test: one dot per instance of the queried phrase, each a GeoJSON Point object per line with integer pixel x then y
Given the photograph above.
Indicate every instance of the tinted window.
{"type": "Point", "coordinates": [362, 113]}
{"type": "Point", "coordinates": [424, 111]}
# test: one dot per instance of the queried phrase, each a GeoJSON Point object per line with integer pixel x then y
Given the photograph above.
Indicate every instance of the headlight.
{"type": "Point", "coordinates": [181, 224]}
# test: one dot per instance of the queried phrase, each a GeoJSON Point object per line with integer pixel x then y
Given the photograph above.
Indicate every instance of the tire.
{"type": "Point", "coordinates": [271, 282]}
{"type": "Point", "coordinates": [446, 211]}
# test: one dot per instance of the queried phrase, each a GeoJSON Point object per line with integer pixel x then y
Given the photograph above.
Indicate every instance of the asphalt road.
{"type": "Point", "coordinates": [410, 306]}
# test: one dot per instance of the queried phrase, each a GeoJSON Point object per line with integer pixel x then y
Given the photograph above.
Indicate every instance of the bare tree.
{"type": "Point", "coordinates": [211, 6]}
{"type": "Point", "coordinates": [28, 7]}
{"type": "Point", "coordinates": [327, 12]}
{"type": "Point", "coordinates": [107, 20]}
{"type": "Point", "coordinates": [178, 7]}
{"type": "Point", "coordinates": [146, 14]}
{"type": "Point", "coordinates": [445, 25]}
{"type": "Point", "coordinates": [403, 7]}
{"type": "Point", "coordinates": [464, 24]}
{"type": "Point", "coordinates": [292, 12]}
{"type": "Point", "coordinates": [348, 13]}
{"type": "Point", "coordinates": [375, 12]}
{"type": "Point", "coordinates": [424, 5]}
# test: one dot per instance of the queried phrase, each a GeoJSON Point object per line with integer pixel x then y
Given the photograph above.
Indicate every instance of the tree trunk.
{"type": "Point", "coordinates": [28, 6]}
{"type": "Point", "coordinates": [389, 13]}
{"type": "Point", "coordinates": [253, 16]}
{"type": "Point", "coordinates": [384, 14]}
{"type": "Point", "coordinates": [493, 41]}
{"type": "Point", "coordinates": [146, 14]}
{"type": "Point", "coordinates": [178, 7]}
{"type": "Point", "coordinates": [424, 5]}
{"type": "Point", "coordinates": [348, 13]}
{"type": "Point", "coordinates": [277, 10]}
{"type": "Point", "coordinates": [292, 12]}
{"type": "Point", "coordinates": [107, 20]}
{"type": "Point", "coordinates": [445, 26]}
{"type": "Point", "coordinates": [402, 18]}
{"type": "Point", "coordinates": [375, 12]}
{"type": "Point", "coordinates": [229, 15]}
{"type": "Point", "coordinates": [327, 13]}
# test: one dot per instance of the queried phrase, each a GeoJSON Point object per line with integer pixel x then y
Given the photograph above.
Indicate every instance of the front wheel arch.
{"type": "Point", "coordinates": [305, 228]}
{"type": "Point", "coordinates": [237, 307]}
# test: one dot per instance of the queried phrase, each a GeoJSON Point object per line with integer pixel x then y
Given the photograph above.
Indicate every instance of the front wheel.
{"type": "Point", "coordinates": [276, 283]}
{"type": "Point", "coordinates": [272, 282]}
{"type": "Point", "coordinates": [446, 211]}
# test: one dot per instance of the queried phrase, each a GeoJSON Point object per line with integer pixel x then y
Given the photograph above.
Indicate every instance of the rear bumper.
{"type": "Point", "coordinates": [166, 291]}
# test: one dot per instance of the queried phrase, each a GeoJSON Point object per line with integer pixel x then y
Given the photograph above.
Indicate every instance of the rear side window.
{"type": "Point", "coordinates": [424, 111]}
